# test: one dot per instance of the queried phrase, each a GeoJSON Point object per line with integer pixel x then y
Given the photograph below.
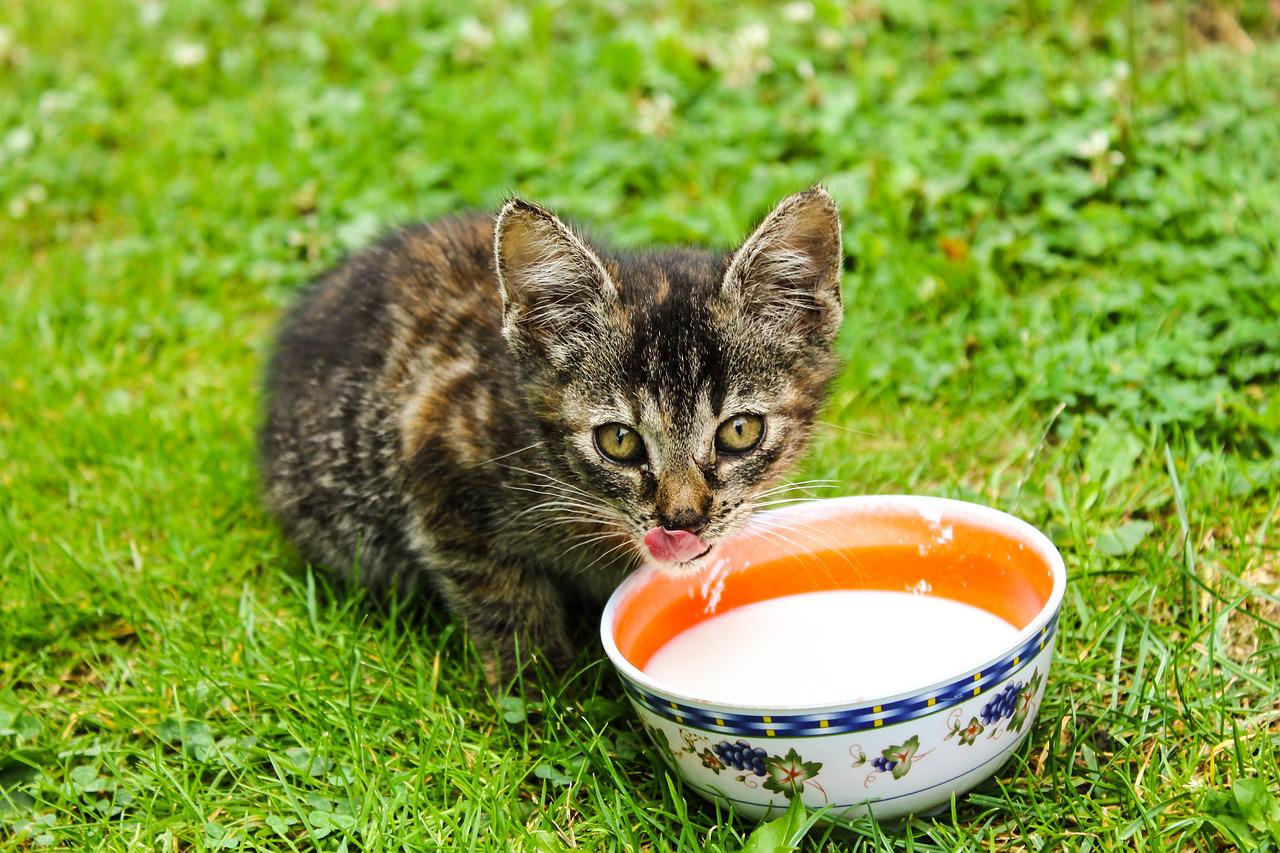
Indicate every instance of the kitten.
{"type": "Point", "coordinates": [514, 418]}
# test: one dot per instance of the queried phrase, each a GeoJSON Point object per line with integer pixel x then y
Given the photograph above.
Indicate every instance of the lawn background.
{"type": "Point", "coordinates": [1063, 294]}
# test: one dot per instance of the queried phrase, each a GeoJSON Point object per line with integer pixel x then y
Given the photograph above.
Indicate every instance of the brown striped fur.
{"type": "Point", "coordinates": [432, 401]}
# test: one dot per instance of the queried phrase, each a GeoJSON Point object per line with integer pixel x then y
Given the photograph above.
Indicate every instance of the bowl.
{"type": "Point", "coordinates": [910, 752]}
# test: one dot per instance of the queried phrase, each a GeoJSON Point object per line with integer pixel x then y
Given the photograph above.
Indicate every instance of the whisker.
{"type": "Point", "coordinates": [552, 479]}
{"type": "Point", "coordinates": [778, 501]}
{"type": "Point", "coordinates": [792, 483]}
{"type": "Point", "coordinates": [591, 541]}
{"type": "Point", "coordinates": [562, 503]}
{"type": "Point", "coordinates": [505, 455]}
{"type": "Point", "coordinates": [533, 515]}
{"type": "Point", "coordinates": [575, 519]}
{"type": "Point", "coordinates": [565, 508]}
{"type": "Point", "coordinates": [821, 539]}
{"type": "Point", "coordinates": [852, 430]}
{"type": "Point", "coordinates": [812, 539]}
{"type": "Point", "coordinates": [798, 548]}
{"type": "Point", "coordinates": [568, 501]}
{"type": "Point", "coordinates": [548, 489]}
{"type": "Point", "coordinates": [802, 485]}
{"type": "Point", "coordinates": [620, 546]}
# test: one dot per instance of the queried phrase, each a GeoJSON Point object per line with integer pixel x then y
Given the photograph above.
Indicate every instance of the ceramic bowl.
{"type": "Point", "coordinates": [890, 755]}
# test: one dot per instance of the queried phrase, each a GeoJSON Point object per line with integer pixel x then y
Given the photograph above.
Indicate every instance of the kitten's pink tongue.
{"type": "Point", "coordinates": [673, 546]}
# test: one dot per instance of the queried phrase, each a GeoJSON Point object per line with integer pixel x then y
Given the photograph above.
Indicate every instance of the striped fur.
{"type": "Point", "coordinates": [432, 400]}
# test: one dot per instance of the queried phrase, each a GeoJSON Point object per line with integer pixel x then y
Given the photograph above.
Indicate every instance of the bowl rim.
{"type": "Point", "coordinates": [990, 516]}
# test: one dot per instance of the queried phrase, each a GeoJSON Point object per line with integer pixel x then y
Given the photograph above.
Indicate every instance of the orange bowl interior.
{"type": "Point", "coordinates": [890, 548]}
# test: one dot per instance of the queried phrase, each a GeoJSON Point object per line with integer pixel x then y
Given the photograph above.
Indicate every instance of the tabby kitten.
{"type": "Point", "coordinates": [515, 417]}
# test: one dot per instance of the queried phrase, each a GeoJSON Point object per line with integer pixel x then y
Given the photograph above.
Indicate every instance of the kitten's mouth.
{"type": "Point", "coordinates": [684, 569]}
{"type": "Point", "coordinates": [695, 561]}
{"type": "Point", "coordinates": [693, 550]}
{"type": "Point", "coordinates": [676, 549]}
{"type": "Point", "coordinates": [677, 552]}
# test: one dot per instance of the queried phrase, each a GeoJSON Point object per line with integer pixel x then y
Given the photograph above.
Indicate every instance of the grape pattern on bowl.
{"type": "Point", "coordinates": [1003, 705]}
{"type": "Point", "coordinates": [884, 765]}
{"type": "Point", "coordinates": [742, 756]}
{"type": "Point", "coordinates": [782, 774]}
{"type": "Point", "coordinates": [1015, 702]}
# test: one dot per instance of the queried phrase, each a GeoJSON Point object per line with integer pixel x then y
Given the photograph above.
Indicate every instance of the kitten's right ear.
{"type": "Point", "coordinates": [550, 279]}
{"type": "Point", "coordinates": [787, 274]}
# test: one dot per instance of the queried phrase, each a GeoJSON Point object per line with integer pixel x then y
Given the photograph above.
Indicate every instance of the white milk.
{"type": "Point", "coordinates": [829, 647]}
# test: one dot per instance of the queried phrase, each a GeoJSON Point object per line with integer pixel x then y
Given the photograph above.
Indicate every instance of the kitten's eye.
{"type": "Point", "coordinates": [739, 434]}
{"type": "Point", "coordinates": [620, 443]}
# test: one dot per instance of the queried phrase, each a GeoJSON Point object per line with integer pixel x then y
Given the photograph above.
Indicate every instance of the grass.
{"type": "Point", "coordinates": [1063, 294]}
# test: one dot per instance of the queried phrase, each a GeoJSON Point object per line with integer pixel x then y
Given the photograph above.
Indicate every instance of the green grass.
{"type": "Point", "coordinates": [1063, 300]}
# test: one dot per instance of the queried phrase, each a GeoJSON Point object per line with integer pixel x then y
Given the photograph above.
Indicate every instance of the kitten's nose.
{"type": "Point", "coordinates": [683, 501]}
{"type": "Point", "coordinates": [683, 518]}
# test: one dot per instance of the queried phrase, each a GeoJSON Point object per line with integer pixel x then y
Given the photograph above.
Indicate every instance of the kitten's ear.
{"type": "Point", "coordinates": [787, 273]}
{"type": "Point", "coordinates": [550, 280]}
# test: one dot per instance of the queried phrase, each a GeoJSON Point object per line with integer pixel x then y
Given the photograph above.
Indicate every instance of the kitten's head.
{"type": "Point", "coordinates": [673, 386]}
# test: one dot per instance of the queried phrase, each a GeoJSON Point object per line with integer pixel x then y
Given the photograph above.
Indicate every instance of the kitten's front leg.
{"type": "Point", "coordinates": [512, 613]}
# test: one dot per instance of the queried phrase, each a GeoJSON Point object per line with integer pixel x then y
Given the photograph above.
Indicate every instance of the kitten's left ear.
{"type": "Point", "coordinates": [551, 281]}
{"type": "Point", "coordinates": [787, 273]}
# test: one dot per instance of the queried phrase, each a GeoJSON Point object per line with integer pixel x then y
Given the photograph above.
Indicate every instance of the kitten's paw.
{"type": "Point", "coordinates": [509, 664]}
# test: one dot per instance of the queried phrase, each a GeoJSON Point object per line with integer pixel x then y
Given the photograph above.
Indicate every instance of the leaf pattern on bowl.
{"type": "Point", "coordinates": [967, 734]}
{"type": "Point", "coordinates": [788, 775]}
{"type": "Point", "coordinates": [897, 759]}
